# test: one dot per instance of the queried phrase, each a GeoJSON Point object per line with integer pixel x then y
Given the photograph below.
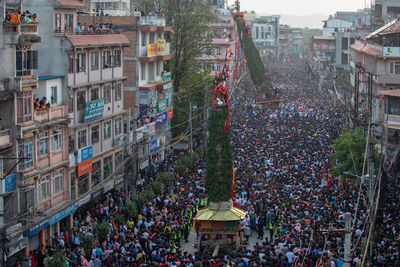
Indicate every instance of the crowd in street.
{"type": "Point", "coordinates": [283, 181]}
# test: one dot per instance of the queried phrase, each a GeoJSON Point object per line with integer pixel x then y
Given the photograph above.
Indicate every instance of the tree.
{"type": "Point", "coordinates": [57, 260]}
{"type": "Point", "coordinates": [130, 210]}
{"type": "Point", "coordinates": [102, 230]}
{"type": "Point", "coordinates": [349, 153]}
{"type": "Point", "coordinates": [190, 19]}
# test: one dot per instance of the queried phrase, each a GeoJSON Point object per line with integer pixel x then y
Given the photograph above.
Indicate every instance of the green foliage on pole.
{"type": "Point", "coordinates": [102, 230]}
{"type": "Point", "coordinates": [254, 62]}
{"type": "Point", "coordinates": [130, 210]}
{"type": "Point", "coordinates": [57, 260]}
{"type": "Point", "coordinates": [219, 177]}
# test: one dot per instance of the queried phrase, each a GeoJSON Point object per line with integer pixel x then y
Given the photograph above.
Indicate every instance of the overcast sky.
{"type": "Point", "coordinates": [300, 7]}
{"type": "Point", "coordinates": [300, 13]}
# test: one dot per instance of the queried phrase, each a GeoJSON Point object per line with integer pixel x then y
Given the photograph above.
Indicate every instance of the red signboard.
{"type": "Point", "coordinates": [170, 114]}
{"type": "Point", "coordinates": [85, 167]}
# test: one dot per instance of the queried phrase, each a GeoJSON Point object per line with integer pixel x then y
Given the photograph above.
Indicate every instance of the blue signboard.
{"type": "Point", "coordinates": [9, 183]}
{"type": "Point", "coordinates": [38, 227]}
{"type": "Point", "coordinates": [62, 214]}
{"type": "Point", "coordinates": [85, 153]}
{"type": "Point", "coordinates": [153, 146]}
{"type": "Point", "coordinates": [160, 118]}
{"type": "Point", "coordinates": [93, 110]}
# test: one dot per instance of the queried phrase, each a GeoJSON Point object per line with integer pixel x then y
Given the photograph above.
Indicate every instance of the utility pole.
{"type": "Point", "coordinates": [129, 162]}
{"type": "Point", "coordinates": [356, 92]}
{"type": "Point", "coordinates": [370, 156]}
{"type": "Point", "coordinates": [206, 102]}
{"type": "Point", "coordinates": [191, 127]}
{"type": "Point", "coordinates": [347, 240]}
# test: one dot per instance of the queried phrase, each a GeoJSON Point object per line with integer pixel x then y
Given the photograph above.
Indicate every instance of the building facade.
{"type": "Point", "coordinates": [322, 51]}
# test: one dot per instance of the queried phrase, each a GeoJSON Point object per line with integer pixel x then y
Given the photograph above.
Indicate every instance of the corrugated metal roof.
{"type": "Point", "coordinates": [98, 40]}
{"type": "Point", "coordinates": [71, 3]}
{"type": "Point", "coordinates": [391, 92]}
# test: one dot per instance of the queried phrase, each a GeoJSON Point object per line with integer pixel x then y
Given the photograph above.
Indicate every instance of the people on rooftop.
{"type": "Point", "coordinates": [18, 17]}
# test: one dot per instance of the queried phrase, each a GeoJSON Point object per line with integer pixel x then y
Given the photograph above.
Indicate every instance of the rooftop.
{"type": "Point", "coordinates": [98, 40]}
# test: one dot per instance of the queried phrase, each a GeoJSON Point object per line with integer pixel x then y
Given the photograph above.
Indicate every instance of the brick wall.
{"type": "Point", "coordinates": [130, 101]}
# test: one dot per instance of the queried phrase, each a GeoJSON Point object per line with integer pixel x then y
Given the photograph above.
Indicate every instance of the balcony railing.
{"type": "Point", "coordinates": [391, 119]}
{"type": "Point", "coordinates": [21, 28]}
{"type": "Point", "coordinates": [152, 21]}
{"type": "Point", "coordinates": [5, 137]}
{"type": "Point", "coordinates": [52, 113]}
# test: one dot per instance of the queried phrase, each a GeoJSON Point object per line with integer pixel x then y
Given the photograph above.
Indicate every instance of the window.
{"type": "Point", "coordinates": [70, 64]}
{"type": "Point", "coordinates": [95, 134]}
{"type": "Point", "coordinates": [25, 150]}
{"type": "Point", "coordinates": [24, 107]}
{"type": "Point", "coordinates": [71, 143]}
{"type": "Point", "coordinates": [56, 140]}
{"type": "Point", "coordinates": [73, 180]}
{"type": "Point", "coordinates": [25, 60]}
{"type": "Point", "coordinates": [107, 94]}
{"type": "Point", "coordinates": [83, 184]}
{"type": "Point", "coordinates": [58, 182]}
{"type": "Point", "coordinates": [94, 94]}
{"type": "Point", "coordinates": [43, 144]}
{"type": "Point", "coordinates": [394, 106]}
{"type": "Point", "coordinates": [119, 158]}
{"type": "Point", "coordinates": [57, 22]}
{"type": "Point", "coordinates": [106, 59]}
{"type": "Point", "coordinates": [107, 129]}
{"type": "Point", "coordinates": [70, 104]}
{"type": "Point", "coordinates": [81, 99]}
{"type": "Point", "coordinates": [143, 38]}
{"type": "Point", "coordinates": [108, 166]}
{"type": "Point", "coordinates": [152, 37]}
{"type": "Point", "coordinates": [118, 127]}
{"type": "Point", "coordinates": [96, 173]}
{"type": "Point", "coordinates": [69, 22]}
{"type": "Point", "coordinates": [81, 139]}
{"type": "Point", "coordinates": [80, 62]}
{"type": "Point", "coordinates": [44, 187]}
{"type": "Point", "coordinates": [118, 92]}
{"type": "Point", "coordinates": [94, 60]}
{"type": "Point", "coordinates": [142, 71]}
{"type": "Point", "coordinates": [53, 95]}
{"type": "Point", "coordinates": [117, 58]}
{"type": "Point", "coordinates": [395, 67]}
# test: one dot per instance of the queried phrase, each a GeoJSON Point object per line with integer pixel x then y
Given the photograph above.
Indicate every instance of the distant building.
{"type": "Point", "coordinates": [384, 11]}
{"type": "Point", "coordinates": [322, 51]}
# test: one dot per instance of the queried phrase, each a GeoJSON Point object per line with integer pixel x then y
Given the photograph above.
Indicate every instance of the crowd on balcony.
{"type": "Point", "coordinates": [20, 17]}
{"type": "Point", "coordinates": [102, 28]}
{"type": "Point", "coordinates": [42, 104]}
{"type": "Point", "coordinates": [140, 13]}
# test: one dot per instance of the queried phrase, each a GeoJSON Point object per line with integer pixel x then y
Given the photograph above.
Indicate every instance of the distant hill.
{"type": "Point", "coordinates": [309, 21]}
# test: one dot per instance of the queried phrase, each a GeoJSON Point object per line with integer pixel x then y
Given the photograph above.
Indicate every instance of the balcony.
{"type": "Point", "coordinates": [155, 52]}
{"type": "Point", "coordinates": [392, 121]}
{"type": "Point", "coordinates": [5, 138]}
{"type": "Point", "coordinates": [152, 21]}
{"type": "Point", "coordinates": [324, 47]}
{"type": "Point", "coordinates": [387, 78]}
{"type": "Point", "coordinates": [53, 115]}
{"type": "Point", "coordinates": [25, 81]}
{"type": "Point", "coordinates": [18, 33]}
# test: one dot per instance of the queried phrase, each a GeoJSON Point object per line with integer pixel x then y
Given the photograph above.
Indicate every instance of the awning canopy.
{"type": "Point", "coordinates": [391, 92]}
{"type": "Point", "coordinates": [381, 29]}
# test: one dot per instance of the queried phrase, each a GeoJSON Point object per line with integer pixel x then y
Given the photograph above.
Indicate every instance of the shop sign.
{"type": "Point", "coordinates": [108, 186]}
{"type": "Point", "coordinates": [391, 51]}
{"type": "Point", "coordinates": [170, 114]}
{"type": "Point", "coordinates": [161, 141]}
{"type": "Point", "coordinates": [85, 167]}
{"type": "Point", "coordinates": [9, 183]}
{"type": "Point", "coordinates": [162, 105]}
{"type": "Point", "coordinates": [97, 194]}
{"type": "Point", "coordinates": [62, 214]}
{"type": "Point", "coordinates": [167, 86]}
{"type": "Point", "coordinates": [140, 134]}
{"type": "Point", "coordinates": [144, 164]}
{"type": "Point", "coordinates": [161, 47]}
{"type": "Point", "coordinates": [152, 128]}
{"type": "Point", "coordinates": [83, 201]}
{"type": "Point", "coordinates": [93, 110]}
{"type": "Point", "coordinates": [153, 146]}
{"type": "Point", "coordinates": [160, 118]}
{"type": "Point", "coordinates": [166, 78]}
{"type": "Point", "coordinates": [151, 50]}
{"type": "Point", "coordinates": [85, 154]}
{"type": "Point", "coordinates": [38, 227]}
{"type": "Point", "coordinates": [118, 181]}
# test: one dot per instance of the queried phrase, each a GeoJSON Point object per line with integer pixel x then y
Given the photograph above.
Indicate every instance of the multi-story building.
{"type": "Point", "coordinates": [265, 33]}
{"type": "Point", "coordinates": [384, 11]}
{"type": "Point", "coordinates": [322, 51]}
{"type": "Point", "coordinates": [82, 76]}
{"type": "Point", "coordinates": [378, 57]}
{"type": "Point", "coordinates": [223, 36]}
{"type": "Point", "coordinates": [108, 7]}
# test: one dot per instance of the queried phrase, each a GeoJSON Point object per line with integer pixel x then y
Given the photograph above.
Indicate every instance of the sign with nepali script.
{"type": "Point", "coordinates": [151, 50]}
{"type": "Point", "coordinates": [62, 214]}
{"type": "Point", "coordinates": [391, 51]}
{"type": "Point", "coordinates": [160, 47]}
{"type": "Point", "coordinates": [93, 110]}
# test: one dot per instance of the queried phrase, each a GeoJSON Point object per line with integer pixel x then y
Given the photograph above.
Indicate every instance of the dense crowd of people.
{"type": "Point", "coordinates": [283, 182]}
